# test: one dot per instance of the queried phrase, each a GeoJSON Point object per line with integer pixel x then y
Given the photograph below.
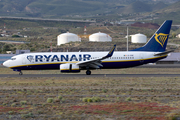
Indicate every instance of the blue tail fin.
{"type": "Point", "coordinates": [158, 41]}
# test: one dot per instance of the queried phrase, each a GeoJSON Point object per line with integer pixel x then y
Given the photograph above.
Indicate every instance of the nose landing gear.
{"type": "Point", "coordinates": [17, 70]}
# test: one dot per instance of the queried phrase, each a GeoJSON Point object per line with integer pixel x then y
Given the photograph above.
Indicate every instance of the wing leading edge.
{"type": "Point", "coordinates": [96, 63]}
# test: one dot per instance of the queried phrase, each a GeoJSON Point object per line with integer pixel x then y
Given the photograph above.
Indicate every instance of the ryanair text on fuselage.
{"type": "Point", "coordinates": [60, 58]}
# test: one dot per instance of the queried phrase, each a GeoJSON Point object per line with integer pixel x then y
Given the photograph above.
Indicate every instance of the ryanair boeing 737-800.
{"type": "Point", "coordinates": [71, 62]}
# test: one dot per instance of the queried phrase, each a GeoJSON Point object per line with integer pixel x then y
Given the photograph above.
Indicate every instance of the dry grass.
{"type": "Point", "coordinates": [142, 98]}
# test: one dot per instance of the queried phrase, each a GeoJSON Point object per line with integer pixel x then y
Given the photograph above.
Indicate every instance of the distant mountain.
{"type": "Point", "coordinates": [172, 8]}
{"type": "Point", "coordinates": [170, 12]}
{"type": "Point", "coordinates": [40, 8]}
{"type": "Point", "coordinates": [158, 6]}
{"type": "Point", "coordinates": [137, 7]}
{"type": "Point", "coordinates": [131, 1]}
{"type": "Point", "coordinates": [142, 7]}
{"type": "Point", "coordinates": [58, 8]}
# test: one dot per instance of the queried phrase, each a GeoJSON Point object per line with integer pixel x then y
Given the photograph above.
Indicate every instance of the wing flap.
{"type": "Point", "coordinates": [94, 66]}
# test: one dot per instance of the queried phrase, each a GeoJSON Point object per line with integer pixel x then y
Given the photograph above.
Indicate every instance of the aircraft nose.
{"type": "Point", "coordinates": [5, 63]}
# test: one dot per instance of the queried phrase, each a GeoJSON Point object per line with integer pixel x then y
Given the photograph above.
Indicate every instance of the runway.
{"type": "Point", "coordinates": [88, 76]}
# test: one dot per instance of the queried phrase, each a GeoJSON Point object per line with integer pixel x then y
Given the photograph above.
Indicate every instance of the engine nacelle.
{"type": "Point", "coordinates": [69, 68]}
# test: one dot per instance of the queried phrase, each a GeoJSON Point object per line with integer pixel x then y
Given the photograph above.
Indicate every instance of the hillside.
{"type": "Point", "coordinates": [142, 7]}
{"type": "Point", "coordinates": [99, 10]}
{"type": "Point", "coordinates": [170, 12]}
{"type": "Point", "coordinates": [137, 7]}
{"type": "Point", "coordinates": [172, 8]}
{"type": "Point", "coordinates": [59, 8]}
{"type": "Point", "coordinates": [41, 8]}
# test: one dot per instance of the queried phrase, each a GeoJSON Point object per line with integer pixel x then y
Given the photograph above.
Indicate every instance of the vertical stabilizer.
{"type": "Point", "coordinates": [159, 40]}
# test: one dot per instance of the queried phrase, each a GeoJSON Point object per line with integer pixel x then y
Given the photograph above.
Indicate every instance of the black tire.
{"type": "Point", "coordinates": [88, 72]}
{"type": "Point", "coordinates": [20, 73]}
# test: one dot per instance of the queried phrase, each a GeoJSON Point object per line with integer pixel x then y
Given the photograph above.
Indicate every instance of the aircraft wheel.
{"type": "Point", "coordinates": [20, 73]}
{"type": "Point", "coordinates": [88, 72]}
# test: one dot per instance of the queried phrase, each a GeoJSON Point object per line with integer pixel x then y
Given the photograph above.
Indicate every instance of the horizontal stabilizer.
{"type": "Point", "coordinates": [164, 53]}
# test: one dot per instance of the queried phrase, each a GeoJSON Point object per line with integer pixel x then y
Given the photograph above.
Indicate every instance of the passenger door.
{"type": "Point", "coordinates": [24, 59]}
{"type": "Point", "coordinates": [27, 59]}
{"type": "Point", "coordinates": [141, 57]}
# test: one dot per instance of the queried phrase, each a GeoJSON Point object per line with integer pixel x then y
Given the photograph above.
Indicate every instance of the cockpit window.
{"type": "Point", "coordinates": [13, 58]}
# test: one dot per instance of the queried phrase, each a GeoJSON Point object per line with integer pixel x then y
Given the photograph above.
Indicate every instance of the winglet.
{"type": "Point", "coordinates": [110, 52]}
{"type": "Point", "coordinates": [96, 63]}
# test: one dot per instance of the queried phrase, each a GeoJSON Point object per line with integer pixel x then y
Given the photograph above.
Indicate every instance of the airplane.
{"type": "Point", "coordinates": [73, 62]}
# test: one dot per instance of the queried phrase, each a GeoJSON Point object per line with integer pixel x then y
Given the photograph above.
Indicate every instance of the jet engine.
{"type": "Point", "coordinates": [69, 68]}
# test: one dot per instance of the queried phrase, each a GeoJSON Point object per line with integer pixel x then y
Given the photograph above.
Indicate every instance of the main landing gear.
{"type": "Point", "coordinates": [20, 73]}
{"type": "Point", "coordinates": [88, 72]}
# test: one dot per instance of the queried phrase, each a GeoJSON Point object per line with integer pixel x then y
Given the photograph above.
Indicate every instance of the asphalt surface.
{"type": "Point", "coordinates": [147, 66]}
{"type": "Point", "coordinates": [160, 66]}
{"type": "Point", "coordinates": [105, 75]}
{"type": "Point", "coordinates": [93, 75]}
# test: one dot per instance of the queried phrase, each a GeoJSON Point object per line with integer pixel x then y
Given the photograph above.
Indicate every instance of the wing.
{"type": "Point", "coordinates": [96, 63]}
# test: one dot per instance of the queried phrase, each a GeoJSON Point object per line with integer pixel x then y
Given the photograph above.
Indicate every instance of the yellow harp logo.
{"type": "Point", "coordinates": [161, 38]}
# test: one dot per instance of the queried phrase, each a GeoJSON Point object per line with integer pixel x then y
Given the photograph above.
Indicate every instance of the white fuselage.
{"type": "Point", "coordinates": [52, 60]}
